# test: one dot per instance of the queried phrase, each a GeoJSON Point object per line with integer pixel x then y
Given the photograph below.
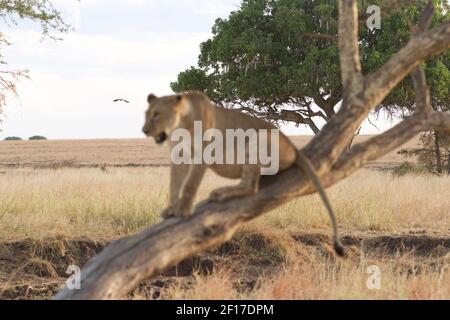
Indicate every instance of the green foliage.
{"type": "Point", "coordinates": [41, 11]}
{"type": "Point", "coordinates": [272, 55]}
{"type": "Point", "coordinates": [37, 138]}
{"type": "Point", "coordinates": [260, 54]}
{"type": "Point", "coordinates": [13, 139]}
{"type": "Point", "coordinates": [197, 77]}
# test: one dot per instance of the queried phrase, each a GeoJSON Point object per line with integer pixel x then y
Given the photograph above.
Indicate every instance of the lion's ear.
{"type": "Point", "coordinates": [151, 97]}
{"type": "Point", "coordinates": [182, 105]}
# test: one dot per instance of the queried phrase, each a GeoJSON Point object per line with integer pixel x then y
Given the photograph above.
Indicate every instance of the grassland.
{"type": "Point", "coordinates": [61, 202]}
{"type": "Point", "coordinates": [118, 153]}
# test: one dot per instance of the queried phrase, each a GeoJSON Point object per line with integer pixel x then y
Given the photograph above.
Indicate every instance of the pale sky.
{"type": "Point", "coordinates": [119, 49]}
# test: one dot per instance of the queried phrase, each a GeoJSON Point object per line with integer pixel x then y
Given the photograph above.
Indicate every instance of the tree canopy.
{"type": "Point", "coordinates": [279, 59]}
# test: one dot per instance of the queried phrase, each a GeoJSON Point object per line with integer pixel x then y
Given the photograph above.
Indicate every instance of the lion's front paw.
{"type": "Point", "coordinates": [168, 213]}
{"type": "Point", "coordinates": [176, 212]}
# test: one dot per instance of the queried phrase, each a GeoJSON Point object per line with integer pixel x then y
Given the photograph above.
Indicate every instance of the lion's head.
{"type": "Point", "coordinates": [163, 116]}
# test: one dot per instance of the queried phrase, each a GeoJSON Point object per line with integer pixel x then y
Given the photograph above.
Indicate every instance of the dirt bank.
{"type": "Point", "coordinates": [35, 269]}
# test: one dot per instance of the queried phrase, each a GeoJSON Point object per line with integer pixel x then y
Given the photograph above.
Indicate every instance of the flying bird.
{"type": "Point", "coordinates": [121, 100]}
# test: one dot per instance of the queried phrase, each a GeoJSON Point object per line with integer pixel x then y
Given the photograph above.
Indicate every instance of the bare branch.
{"type": "Point", "coordinates": [423, 99]}
{"type": "Point", "coordinates": [372, 123]}
{"type": "Point", "coordinates": [294, 116]}
{"type": "Point", "coordinates": [425, 18]}
{"type": "Point", "coordinates": [8, 83]}
{"type": "Point", "coordinates": [348, 42]}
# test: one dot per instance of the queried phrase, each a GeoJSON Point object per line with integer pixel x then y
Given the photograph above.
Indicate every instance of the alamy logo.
{"type": "Point", "coordinates": [374, 281]}
{"type": "Point", "coordinates": [238, 146]}
{"type": "Point", "coordinates": [374, 21]}
{"type": "Point", "coordinates": [74, 281]}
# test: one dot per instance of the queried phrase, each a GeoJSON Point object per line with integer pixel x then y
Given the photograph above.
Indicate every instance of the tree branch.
{"type": "Point", "coordinates": [286, 115]}
{"type": "Point", "coordinates": [326, 105]}
{"type": "Point", "coordinates": [297, 118]}
{"type": "Point", "coordinates": [8, 83]}
{"type": "Point", "coordinates": [348, 42]}
{"type": "Point", "coordinates": [423, 99]}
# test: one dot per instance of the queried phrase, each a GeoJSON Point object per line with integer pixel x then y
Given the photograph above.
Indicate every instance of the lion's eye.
{"type": "Point", "coordinates": [155, 115]}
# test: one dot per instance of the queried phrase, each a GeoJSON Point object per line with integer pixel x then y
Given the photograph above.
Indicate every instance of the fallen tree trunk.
{"type": "Point", "coordinates": [122, 265]}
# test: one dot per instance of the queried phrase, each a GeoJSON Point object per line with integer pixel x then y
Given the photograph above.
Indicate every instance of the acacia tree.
{"type": "Point", "coordinates": [120, 267]}
{"type": "Point", "coordinates": [434, 153]}
{"type": "Point", "coordinates": [279, 59]}
{"type": "Point", "coordinates": [11, 12]}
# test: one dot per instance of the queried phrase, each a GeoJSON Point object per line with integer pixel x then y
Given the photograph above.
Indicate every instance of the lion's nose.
{"type": "Point", "coordinates": [146, 131]}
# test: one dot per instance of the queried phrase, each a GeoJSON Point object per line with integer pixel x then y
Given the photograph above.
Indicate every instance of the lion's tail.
{"type": "Point", "coordinates": [304, 163]}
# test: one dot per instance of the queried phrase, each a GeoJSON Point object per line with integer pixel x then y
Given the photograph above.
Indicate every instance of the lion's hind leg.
{"type": "Point", "coordinates": [248, 186]}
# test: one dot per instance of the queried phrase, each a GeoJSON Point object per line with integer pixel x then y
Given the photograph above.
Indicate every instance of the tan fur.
{"type": "Point", "coordinates": [180, 111]}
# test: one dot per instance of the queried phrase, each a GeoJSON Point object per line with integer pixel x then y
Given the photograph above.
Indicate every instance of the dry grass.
{"type": "Point", "coordinates": [374, 201]}
{"type": "Point", "coordinates": [97, 204]}
{"type": "Point", "coordinates": [311, 272]}
{"type": "Point", "coordinates": [83, 202]}
{"type": "Point", "coordinates": [323, 280]}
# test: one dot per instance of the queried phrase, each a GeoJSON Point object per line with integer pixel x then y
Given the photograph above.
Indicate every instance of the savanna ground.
{"type": "Point", "coordinates": [63, 201]}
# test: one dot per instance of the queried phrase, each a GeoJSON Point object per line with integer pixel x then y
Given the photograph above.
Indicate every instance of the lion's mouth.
{"type": "Point", "coordinates": [161, 138]}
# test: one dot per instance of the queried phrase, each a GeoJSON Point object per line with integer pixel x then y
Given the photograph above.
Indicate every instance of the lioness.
{"type": "Point", "coordinates": [169, 113]}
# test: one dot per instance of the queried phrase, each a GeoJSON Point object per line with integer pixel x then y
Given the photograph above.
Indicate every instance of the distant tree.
{"type": "Point", "coordinates": [433, 158]}
{"type": "Point", "coordinates": [276, 59]}
{"type": "Point", "coordinates": [37, 138]}
{"type": "Point", "coordinates": [11, 12]}
{"type": "Point", "coordinates": [13, 139]}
